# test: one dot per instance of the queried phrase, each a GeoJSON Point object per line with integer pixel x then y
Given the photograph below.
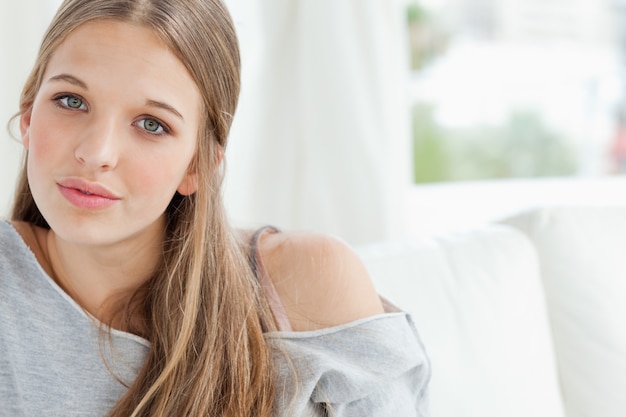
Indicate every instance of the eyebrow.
{"type": "Point", "coordinates": [70, 79]}
{"type": "Point", "coordinates": [153, 103]}
{"type": "Point", "coordinates": [164, 106]}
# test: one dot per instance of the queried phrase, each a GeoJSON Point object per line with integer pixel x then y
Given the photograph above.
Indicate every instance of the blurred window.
{"type": "Point", "coordinates": [516, 89]}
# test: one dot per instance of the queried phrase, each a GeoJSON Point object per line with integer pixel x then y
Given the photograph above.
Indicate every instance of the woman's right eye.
{"type": "Point", "coordinates": [71, 102]}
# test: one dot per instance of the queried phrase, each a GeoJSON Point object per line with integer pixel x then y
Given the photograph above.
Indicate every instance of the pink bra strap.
{"type": "Point", "coordinates": [280, 315]}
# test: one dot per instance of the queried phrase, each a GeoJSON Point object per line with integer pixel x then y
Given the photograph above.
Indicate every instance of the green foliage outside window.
{"type": "Point", "coordinates": [523, 147]}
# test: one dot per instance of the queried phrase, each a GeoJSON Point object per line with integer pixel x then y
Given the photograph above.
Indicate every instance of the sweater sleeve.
{"type": "Point", "coordinates": [372, 367]}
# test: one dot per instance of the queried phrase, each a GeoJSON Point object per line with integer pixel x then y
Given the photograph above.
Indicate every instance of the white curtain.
{"type": "Point", "coordinates": [321, 138]}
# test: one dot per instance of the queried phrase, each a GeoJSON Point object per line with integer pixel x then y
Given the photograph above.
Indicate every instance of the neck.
{"type": "Point", "coordinates": [102, 279]}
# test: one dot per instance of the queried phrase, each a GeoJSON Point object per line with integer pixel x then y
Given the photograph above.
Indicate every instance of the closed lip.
{"type": "Point", "coordinates": [88, 188]}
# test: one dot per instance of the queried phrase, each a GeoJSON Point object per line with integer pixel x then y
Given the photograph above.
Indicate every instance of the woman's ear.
{"type": "Point", "coordinates": [189, 184]}
{"type": "Point", "coordinates": [25, 128]}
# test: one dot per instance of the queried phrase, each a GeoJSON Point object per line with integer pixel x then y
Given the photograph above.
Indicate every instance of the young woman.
{"type": "Point", "coordinates": [124, 292]}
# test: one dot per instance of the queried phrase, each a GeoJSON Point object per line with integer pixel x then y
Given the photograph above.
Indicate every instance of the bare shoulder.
{"type": "Point", "coordinates": [320, 280]}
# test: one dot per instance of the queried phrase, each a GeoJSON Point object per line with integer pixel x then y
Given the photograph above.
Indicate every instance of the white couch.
{"type": "Point", "coordinates": [521, 318]}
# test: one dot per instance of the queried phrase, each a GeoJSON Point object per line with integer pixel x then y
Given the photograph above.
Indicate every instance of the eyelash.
{"type": "Point", "coordinates": [166, 130]}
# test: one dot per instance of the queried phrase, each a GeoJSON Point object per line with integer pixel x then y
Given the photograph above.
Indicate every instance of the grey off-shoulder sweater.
{"type": "Point", "coordinates": [51, 358]}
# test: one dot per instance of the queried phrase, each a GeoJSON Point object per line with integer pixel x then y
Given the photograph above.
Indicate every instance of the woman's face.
{"type": "Point", "coordinates": [111, 134]}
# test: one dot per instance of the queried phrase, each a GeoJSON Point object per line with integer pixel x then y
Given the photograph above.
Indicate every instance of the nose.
{"type": "Point", "coordinates": [98, 148]}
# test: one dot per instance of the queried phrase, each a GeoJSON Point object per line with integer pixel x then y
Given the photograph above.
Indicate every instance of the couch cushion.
{"type": "Point", "coordinates": [582, 253]}
{"type": "Point", "coordinates": [477, 301]}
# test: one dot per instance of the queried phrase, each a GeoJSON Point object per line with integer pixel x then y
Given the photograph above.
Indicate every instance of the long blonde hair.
{"type": "Point", "coordinates": [203, 310]}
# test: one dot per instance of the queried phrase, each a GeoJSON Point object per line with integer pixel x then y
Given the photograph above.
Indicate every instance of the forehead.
{"type": "Point", "coordinates": [125, 55]}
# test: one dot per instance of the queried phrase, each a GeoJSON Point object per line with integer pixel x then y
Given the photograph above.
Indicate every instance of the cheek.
{"type": "Point", "coordinates": [159, 176]}
{"type": "Point", "coordinates": [41, 146]}
{"type": "Point", "coordinates": [42, 154]}
{"type": "Point", "coordinates": [45, 141]}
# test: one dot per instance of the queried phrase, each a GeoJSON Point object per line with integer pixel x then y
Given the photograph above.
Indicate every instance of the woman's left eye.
{"type": "Point", "coordinates": [152, 126]}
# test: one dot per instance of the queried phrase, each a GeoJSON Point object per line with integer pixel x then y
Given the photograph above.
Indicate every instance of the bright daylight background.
{"type": "Point", "coordinates": [378, 119]}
